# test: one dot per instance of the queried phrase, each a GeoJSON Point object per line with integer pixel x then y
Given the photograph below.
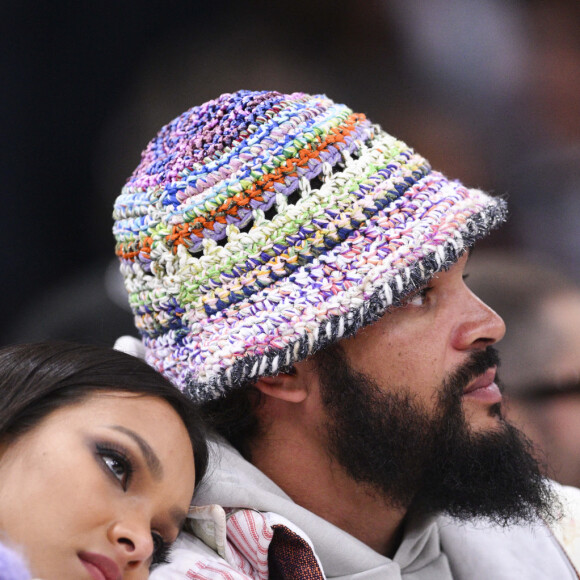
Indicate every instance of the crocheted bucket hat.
{"type": "Point", "coordinates": [260, 227]}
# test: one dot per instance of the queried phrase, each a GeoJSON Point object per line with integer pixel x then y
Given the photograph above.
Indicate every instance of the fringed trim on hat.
{"type": "Point", "coordinates": [391, 294]}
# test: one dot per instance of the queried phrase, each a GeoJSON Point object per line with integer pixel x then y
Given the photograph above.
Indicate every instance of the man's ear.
{"type": "Point", "coordinates": [290, 387]}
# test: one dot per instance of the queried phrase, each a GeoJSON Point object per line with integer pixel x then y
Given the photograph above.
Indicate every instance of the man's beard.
{"type": "Point", "coordinates": [430, 461]}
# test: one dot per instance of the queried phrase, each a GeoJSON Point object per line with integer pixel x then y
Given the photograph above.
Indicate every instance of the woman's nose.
{"type": "Point", "coordinates": [133, 542]}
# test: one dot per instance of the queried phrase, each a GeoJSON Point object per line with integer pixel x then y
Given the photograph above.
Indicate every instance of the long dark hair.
{"type": "Point", "coordinates": [38, 378]}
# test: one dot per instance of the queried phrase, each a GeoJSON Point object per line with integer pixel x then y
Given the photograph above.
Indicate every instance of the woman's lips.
{"type": "Point", "coordinates": [484, 388]}
{"type": "Point", "coordinates": [100, 567]}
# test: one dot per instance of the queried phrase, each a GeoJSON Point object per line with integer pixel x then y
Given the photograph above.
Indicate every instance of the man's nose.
{"type": "Point", "coordinates": [479, 326]}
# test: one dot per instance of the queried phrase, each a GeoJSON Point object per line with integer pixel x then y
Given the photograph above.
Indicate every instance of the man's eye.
{"type": "Point", "coordinates": [119, 465]}
{"type": "Point", "coordinates": [418, 299]}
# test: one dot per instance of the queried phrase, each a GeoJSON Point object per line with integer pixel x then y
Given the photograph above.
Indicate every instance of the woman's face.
{"type": "Point", "coordinates": [97, 489]}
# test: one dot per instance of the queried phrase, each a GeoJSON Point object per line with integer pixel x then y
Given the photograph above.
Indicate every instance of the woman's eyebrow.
{"type": "Point", "coordinates": [151, 458]}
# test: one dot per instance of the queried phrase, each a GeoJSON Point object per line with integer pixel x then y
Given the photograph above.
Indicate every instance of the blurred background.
{"type": "Point", "coordinates": [487, 90]}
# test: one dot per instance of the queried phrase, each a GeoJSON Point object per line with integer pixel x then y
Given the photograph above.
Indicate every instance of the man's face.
{"type": "Point", "coordinates": [418, 345]}
{"type": "Point", "coordinates": [413, 412]}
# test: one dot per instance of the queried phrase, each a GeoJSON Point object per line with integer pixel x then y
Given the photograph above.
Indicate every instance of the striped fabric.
{"type": "Point", "coordinates": [259, 546]}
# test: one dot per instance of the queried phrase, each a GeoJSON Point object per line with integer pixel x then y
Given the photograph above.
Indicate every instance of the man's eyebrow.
{"type": "Point", "coordinates": [151, 458]}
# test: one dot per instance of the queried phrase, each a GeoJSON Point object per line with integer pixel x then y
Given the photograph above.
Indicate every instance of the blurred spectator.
{"type": "Point", "coordinates": [544, 179]}
{"type": "Point", "coordinates": [507, 73]}
{"type": "Point", "coordinates": [540, 352]}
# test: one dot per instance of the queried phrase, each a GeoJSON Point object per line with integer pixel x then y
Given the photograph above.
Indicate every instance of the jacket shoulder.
{"type": "Point", "coordinates": [566, 529]}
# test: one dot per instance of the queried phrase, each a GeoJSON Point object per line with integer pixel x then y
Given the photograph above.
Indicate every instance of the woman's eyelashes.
{"type": "Point", "coordinates": [116, 462]}
{"type": "Point", "coordinates": [161, 549]}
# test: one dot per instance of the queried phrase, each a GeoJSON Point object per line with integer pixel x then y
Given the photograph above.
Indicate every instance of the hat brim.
{"type": "Point", "coordinates": [390, 255]}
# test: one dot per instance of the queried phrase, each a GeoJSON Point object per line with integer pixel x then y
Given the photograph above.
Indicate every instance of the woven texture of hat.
{"type": "Point", "coordinates": [260, 227]}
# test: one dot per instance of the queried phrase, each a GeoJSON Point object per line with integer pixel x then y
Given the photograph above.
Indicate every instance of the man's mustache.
{"type": "Point", "coordinates": [478, 362]}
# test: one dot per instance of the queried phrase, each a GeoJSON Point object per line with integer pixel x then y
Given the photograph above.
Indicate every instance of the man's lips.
{"type": "Point", "coordinates": [100, 567]}
{"type": "Point", "coordinates": [484, 388]}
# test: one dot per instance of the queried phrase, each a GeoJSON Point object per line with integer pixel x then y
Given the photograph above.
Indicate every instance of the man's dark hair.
{"type": "Point", "coordinates": [234, 416]}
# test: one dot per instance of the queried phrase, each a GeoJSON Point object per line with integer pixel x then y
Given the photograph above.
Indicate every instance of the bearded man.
{"type": "Point", "coordinates": [301, 274]}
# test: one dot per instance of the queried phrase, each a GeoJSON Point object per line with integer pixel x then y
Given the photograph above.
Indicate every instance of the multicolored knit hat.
{"type": "Point", "coordinates": [260, 227]}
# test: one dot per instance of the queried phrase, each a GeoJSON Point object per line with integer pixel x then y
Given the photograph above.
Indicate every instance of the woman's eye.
{"type": "Point", "coordinates": [160, 549]}
{"type": "Point", "coordinates": [118, 465]}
